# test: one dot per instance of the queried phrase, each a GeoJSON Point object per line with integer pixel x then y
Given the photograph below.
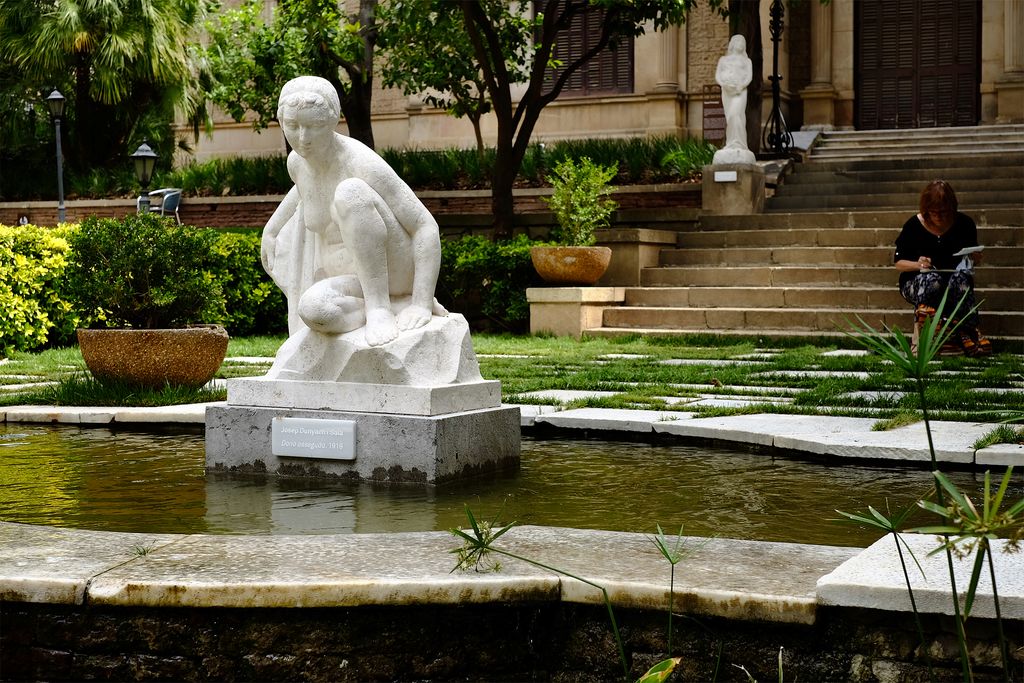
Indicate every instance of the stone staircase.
{"type": "Point", "coordinates": [821, 254]}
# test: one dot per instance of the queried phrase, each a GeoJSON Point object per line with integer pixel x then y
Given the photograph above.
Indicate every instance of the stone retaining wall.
{"type": "Point", "coordinates": [496, 641]}
{"type": "Point", "coordinates": [221, 212]}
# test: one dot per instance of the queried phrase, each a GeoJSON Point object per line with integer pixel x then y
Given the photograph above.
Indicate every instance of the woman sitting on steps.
{"type": "Point", "coordinates": [927, 257]}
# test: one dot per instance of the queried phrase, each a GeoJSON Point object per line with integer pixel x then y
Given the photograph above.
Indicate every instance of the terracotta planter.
{"type": "Point", "coordinates": [570, 265]}
{"type": "Point", "coordinates": [188, 356]}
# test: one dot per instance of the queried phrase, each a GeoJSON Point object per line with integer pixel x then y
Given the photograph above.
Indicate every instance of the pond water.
{"type": "Point", "coordinates": [155, 482]}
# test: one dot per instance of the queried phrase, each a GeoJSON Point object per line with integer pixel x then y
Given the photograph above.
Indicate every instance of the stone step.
{"type": "Point", "coordinates": [827, 237]}
{"type": "Point", "coordinates": [1000, 159]}
{"type": "Point", "coordinates": [815, 255]}
{"type": "Point", "coordinates": [968, 200]}
{"type": "Point", "coordinates": [944, 133]}
{"type": "Point", "coordinates": [832, 184]}
{"type": "Point", "coordinates": [903, 151]}
{"type": "Point", "coordinates": [728, 319]}
{"type": "Point", "coordinates": [892, 219]}
{"type": "Point", "coordinates": [794, 276]}
{"type": "Point", "coordinates": [994, 299]}
{"type": "Point", "coordinates": [607, 332]}
{"type": "Point", "coordinates": [960, 177]}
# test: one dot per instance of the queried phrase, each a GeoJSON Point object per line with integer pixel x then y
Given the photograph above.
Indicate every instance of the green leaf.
{"type": "Point", "coordinates": [660, 671]}
{"type": "Point", "coordinates": [972, 586]}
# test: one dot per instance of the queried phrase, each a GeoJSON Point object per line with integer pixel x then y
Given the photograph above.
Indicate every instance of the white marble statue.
{"type": "Point", "coordinates": [356, 254]}
{"type": "Point", "coordinates": [734, 74]}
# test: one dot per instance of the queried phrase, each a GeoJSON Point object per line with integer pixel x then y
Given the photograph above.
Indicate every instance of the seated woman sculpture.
{"type": "Point", "coordinates": [929, 267]}
{"type": "Point", "coordinates": [350, 245]}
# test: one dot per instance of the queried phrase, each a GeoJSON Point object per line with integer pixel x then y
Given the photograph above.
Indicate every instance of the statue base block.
{"type": "Point", "coordinates": [364, 398]}
{"type": "Point", "coordinates": [380, 447]}
{"type": "Point", "coordinates": [732, 189]}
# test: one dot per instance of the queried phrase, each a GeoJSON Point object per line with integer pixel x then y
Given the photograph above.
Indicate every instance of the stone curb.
{"type": "Point", "coordinates": [841, 438]}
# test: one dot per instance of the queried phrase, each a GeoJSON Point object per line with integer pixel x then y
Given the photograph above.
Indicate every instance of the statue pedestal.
{"type": "Point", "coordinates": [347, 431]}
{"type": "Point", "coordinates": [732, 189]}
{"type": "Point", "coordinates": [414, 411]}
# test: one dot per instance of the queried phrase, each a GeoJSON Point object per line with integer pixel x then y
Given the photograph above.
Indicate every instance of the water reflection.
{"type": "Point", "coordinates": [154, 482]}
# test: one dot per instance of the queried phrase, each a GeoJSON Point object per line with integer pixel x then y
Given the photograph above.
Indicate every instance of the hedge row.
{"type": "Point", "coordinates": [482, 279]}
{"type": "Point", "coordinates": [35, 293]}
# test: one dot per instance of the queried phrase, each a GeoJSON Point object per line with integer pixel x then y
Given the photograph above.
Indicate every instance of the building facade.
{"type": "Point", "coordinates": [849, 64]}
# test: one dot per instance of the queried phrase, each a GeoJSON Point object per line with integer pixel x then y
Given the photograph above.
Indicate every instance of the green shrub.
{"type": "Point", "coordinates": [487, 281]}
{"type": "Point", "coordinates": [254, 303]}
{"type": "Point", "coordinates": [143, 271]}
{"type": "Point", "coordinates": [687, 158]}
{"type": "Point", "coordinates": [32, 263]}
{"type": "Point", "coordinates": [580, 200]}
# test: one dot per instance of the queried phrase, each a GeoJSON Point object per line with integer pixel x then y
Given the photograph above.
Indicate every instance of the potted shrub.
{"type": "Point", "coordinates": [144, 287]}
{"type": "Point", "coordinates": [581, 204]}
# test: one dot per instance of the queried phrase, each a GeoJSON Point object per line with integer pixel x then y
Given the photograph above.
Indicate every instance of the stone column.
{"type": "Point", "coordinates": [1010, 86]}
{"type": "Point", "coordinates": [819, 96]}
{"type": "Point", "coordinates": [1013, 40]}
{"type": "Point", "coordinates": [668, 60]}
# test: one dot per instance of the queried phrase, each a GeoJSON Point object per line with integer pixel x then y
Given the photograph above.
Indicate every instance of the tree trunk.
{"type": "Point", "coordinates": [502, 202]}
{"type": "Point", "coordinates": [745, 19]}
{"type": "Point", "coordinates": [356, 110]}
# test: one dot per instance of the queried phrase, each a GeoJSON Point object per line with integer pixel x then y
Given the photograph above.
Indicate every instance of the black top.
{"type": "Point", "coordinates": [915, 241]}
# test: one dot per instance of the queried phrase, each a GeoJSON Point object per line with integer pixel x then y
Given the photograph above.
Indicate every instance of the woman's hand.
{"type": "Point", "coordinates": [924, 263]}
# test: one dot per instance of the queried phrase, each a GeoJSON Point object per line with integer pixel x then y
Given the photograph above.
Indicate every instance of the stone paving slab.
{"type": "Point", "coordinates": [1000, 455]}
{"type": "Point", "coordinates": [839, 437]}
{"type": "Point", "coordinates": [613, 419]}
{"type": "Point", "coordinates": [567, 395]}
{"type": "Point", "coordinates": [62, 414]}
{"type": "Point", "coordinates": [954, 442]}
{"type": "Point", "coordinates": [194, 413]}
{"type": "Point", "coordinates": [54, 565]}
{"type": "Point", "coordinates": [250, 360]}
{"type": "Point", "coordinates": [709, 362]}
{"type": "Point", "coordinates": [528, 412]}
{"type": "Point", "coordinates": [874, 579]}
{"type": "Point", "coordinates": [814, 374]}
{"type": "Point", "coordinates": [773, 582]}
{"type": "Point", "coordinates": [730, 578]}
{"type": "Point", "coordinates": [760, 429]}
{"type": "Point", "coordinates": [28, 385]}
{"type": "Point", "coordinates": [314, 571]}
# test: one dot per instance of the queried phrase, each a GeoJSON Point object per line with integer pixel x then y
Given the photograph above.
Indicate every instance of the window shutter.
{"type": "Point", "coordinates": [611, 71]}
{"type": "Point", "coordinates": [917, 63]}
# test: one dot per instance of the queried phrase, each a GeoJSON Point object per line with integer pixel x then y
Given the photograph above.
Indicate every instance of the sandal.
{"type": "Point", "coordinates": [968, 344]}
{"type": "Point", "coordinates": [984, 345]}
{"type": "Point", "coordinates": [922, 312]}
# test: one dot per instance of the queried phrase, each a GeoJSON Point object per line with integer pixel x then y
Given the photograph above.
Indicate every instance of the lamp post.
{"type": "Point", "coordinates": [776, 135]}
{"type": "Point", "coordinates": [55, 102]}
{"type": "Point", "coordinates": [145, 159]}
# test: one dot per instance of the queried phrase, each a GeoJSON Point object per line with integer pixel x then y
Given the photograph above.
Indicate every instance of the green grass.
{"type": "Point", "coordinates": [79, 390]}
{"type": "Point", "coordinates": [526, 364]}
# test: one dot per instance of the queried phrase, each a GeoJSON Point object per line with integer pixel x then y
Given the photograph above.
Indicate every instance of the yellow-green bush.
{"type": "Point", "coordinates": [254, 303]}
{"type": "Point", "coordinates": [33, 310]}
{"type": "Point", "coordinates": [35, 303]}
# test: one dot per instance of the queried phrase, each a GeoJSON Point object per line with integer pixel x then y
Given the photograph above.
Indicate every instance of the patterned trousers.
{"type": "Point", "coordinates": [927, 288]}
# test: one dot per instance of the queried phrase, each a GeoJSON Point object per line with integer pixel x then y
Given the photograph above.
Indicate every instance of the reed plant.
{"type": "Point", "coordinates": [963, 527]}
{"type": "Point", "coordinates": [478, 544]}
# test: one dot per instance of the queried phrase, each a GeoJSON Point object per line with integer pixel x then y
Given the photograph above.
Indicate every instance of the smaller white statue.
{"type": "Point", "coordinates": [734, 74]}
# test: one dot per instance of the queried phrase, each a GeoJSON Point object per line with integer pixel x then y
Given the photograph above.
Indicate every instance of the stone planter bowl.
{"type": "Point", "coordinates": [570, 265]}
{"type": "Point", "coordinates": [188, 356]}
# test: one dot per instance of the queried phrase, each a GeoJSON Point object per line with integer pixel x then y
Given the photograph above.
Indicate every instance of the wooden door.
{"type": "Point", "coordinates": [917, 63]}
